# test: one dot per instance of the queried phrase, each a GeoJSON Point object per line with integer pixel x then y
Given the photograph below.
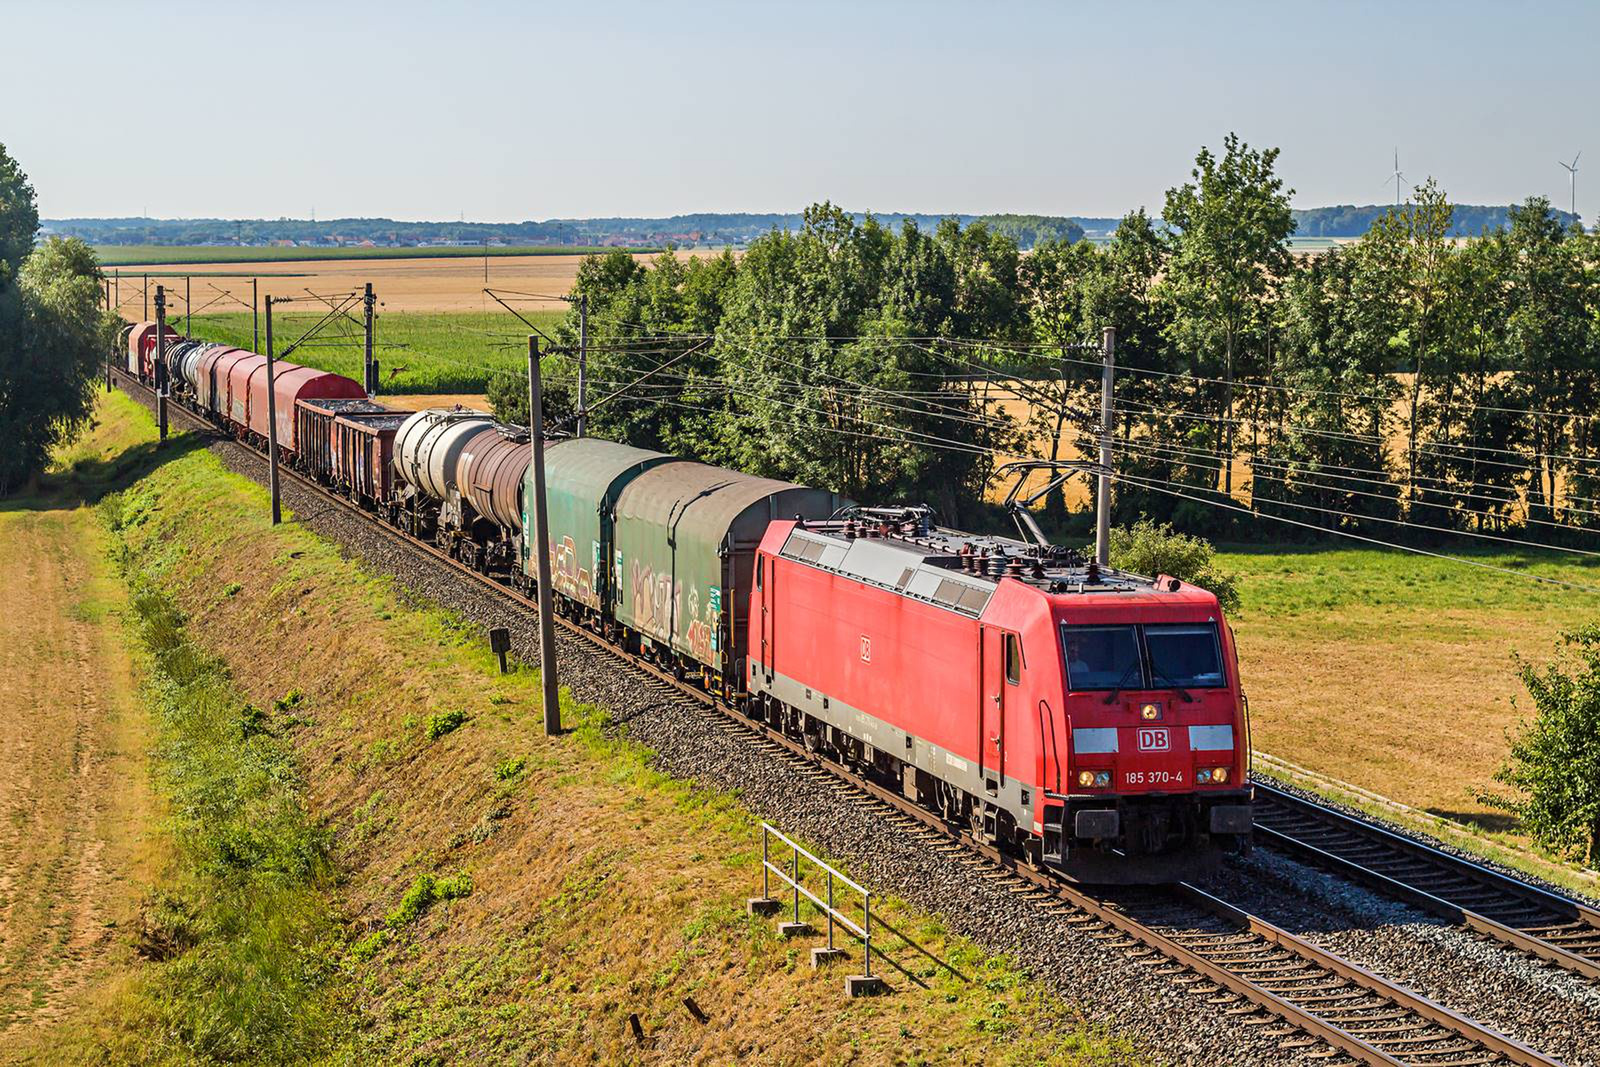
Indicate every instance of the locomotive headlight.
{"type": "Point", "coordinates": [1102, 778]}
{"type": "Point", "coordinates": [1150, 712]}
{"type": "Point", "coordinates": [1203, 775]}
{"type": "Point", "coordinates": [1086, 778]}
{"type": "Point", "coordinates": [1219, 774]}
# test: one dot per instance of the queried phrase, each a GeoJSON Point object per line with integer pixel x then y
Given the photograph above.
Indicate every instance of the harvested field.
{"type": "Point", "coordinates": [445, 283]}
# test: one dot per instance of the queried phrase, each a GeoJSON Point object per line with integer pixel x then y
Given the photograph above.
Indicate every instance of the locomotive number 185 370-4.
{"type": "Point", "coordinates": [1154, 777]}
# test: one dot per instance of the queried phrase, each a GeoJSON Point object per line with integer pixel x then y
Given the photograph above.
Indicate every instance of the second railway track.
{"type": "Point", "coordinates": [1241, 963]}
{"type": "Point", "coordinates": [1515, 913]}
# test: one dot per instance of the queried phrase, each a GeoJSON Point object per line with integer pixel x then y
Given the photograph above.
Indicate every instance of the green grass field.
{"type": "Point", "coordinates": [141, 255]}
{"type": "Point", "coordinates": [418, 352]}
{"type": "Point", "coordinates": [1394, 671]}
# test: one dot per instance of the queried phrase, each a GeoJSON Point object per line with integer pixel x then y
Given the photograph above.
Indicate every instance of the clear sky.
{"type": "Point", "coordinates": [511, 111]}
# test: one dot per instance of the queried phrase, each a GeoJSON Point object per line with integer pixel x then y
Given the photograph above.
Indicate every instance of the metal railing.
{"type": "Point", "coordinates": [827, 905]}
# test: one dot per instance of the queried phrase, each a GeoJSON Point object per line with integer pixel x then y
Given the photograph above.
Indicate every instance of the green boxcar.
{"type": "Point", "coordinates": [686, 535]}
{"type": "Point", "coordinates": [582, 479]}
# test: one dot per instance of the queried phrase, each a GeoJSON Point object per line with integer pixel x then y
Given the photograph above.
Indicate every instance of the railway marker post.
{"type": "Point", "coordinates": [1102, 496]}
{"type": "Point", "coordinates": [272, 424]}
{"type": "Point", "coordinates": [541, 547]}
{"type": "Point", "coordinates": [159, 372]}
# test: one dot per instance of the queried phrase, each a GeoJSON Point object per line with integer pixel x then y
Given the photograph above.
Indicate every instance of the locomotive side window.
{"type": "Point", "coordinates": [760, 567]}
{"type": "Point", "coordinates": [1013, 659]}
{"type": "Point", "coordinates": [1185, 656]}
{"type": "Point", "coordinates": [1103, 657]}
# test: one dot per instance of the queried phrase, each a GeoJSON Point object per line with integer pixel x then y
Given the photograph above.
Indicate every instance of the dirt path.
{"type": "Point", "coordinates": [76, 837]}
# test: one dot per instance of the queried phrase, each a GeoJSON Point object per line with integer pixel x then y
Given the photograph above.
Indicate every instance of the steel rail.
{"type": "Point", "coordinates": [1487, 1046]}
{"type": "Point", "coordinates": [1526, 917]}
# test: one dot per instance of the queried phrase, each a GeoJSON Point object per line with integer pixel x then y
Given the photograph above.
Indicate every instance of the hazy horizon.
{"type": "Point", "coordinates": [506, 113]}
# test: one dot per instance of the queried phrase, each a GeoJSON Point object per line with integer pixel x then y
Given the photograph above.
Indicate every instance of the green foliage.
{"type": "Point", "coordinates": [53, 334]}
{"type": "Point", "coordinates": [1554, 766]}
{"type": "Point", "coordinates": [510, 767]}
{"type": "Point", "coordinates": [1154, 549]}
{"type": "Point", "coordinates": [424, 893]}
{"type": "Point", "coordinates": [444, 722]}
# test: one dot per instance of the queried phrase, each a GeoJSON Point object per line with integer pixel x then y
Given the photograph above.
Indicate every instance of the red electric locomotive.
{"type": "Point", "coordinates": [1090, 719]}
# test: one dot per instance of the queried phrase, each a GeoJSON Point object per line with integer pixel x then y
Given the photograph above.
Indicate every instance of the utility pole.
{"type": "Point", "coordinates": [147, 298]}
{"type": "Point", "coordinates": [1102, 497]}
{"type": "Point", "coordinates": [116, 283]}
{"type": "Point", "coordinates": [583, 361]}
{"type": "Point", "coordinates": [541, 547]}
{"type": "Point", "coordinates": [255, 318]}
{"type": "Point", "coordinates": [369, 375]}
{"type": "Point", "coordinates": [160, 374]}
{"type": "Point", "coordinates": [188, 305]}
{"type": "Point", "coordinates": [272, 423]}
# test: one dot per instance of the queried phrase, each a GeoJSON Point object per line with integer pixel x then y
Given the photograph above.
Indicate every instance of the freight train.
{"type": "Point", "coordinates": [1089, 721]}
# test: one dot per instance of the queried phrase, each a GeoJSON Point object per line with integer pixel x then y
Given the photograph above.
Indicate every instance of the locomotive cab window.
{"type": "Point", "coordinates": [1103, 657]}
{"type": "Point", "coordinates": [1013, 659]}
{"type": "Point", "coordinates": [1186, 656]}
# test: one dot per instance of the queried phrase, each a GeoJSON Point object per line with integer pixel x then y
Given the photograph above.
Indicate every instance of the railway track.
{"type": "Point", "coordinates": [1523, 916]}
{"type": "Point", "coordinates": [1321, 1005]}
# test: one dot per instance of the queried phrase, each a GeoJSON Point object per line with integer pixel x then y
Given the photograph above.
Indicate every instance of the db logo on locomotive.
{"type": "Point", "coordinates": [1153, 739]}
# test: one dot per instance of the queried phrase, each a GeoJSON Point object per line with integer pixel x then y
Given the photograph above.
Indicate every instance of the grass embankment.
{"type": "Point", "coordinates": [151, 255]}
{"type": "Point", "coordinates": [418, 352]}
{"type": "Point", "coordinates": [502, 894]}
{"type": "Point", "coordinates": [1395, 672]}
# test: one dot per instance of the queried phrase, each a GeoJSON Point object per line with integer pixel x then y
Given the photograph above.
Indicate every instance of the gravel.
{"type": "Point", "coordinates": [1537, 1003]}
{"type": "Point", "coordinates": [1164, 1020]}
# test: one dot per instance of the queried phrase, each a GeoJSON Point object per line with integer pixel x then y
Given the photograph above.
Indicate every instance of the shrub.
{"type": "Point", "coordinates": [510, 768]}
{"type": "Point", "coordinates": [445, 722]}
{"type": "Point", "coordinates": [1153, 549]}
{"type": "Point", "coordinates": [1554, 765]}
{"type": "Point", "coordinates": [424, 893]}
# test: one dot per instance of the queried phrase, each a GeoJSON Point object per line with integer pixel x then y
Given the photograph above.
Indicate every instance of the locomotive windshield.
{"type": "Point", "coordinates": [1153, 656]}
{"type": "Point", "coordinates": [1102, 657]}
{"type": "Point", "coordinates": [1184, 657]}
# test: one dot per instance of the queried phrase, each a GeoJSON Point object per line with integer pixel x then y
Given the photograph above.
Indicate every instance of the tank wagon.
{"type": "Point", "coordinates": [1089, 720]}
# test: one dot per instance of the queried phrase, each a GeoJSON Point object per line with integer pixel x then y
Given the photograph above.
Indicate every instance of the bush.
{"type": "Point", "coordinates": [1154, 549]}
{"type": "Point", "coordinates": [445, 722]}
{"type": "Point", "coordinates": [1555, 759]}
{"type": "Point", "coordinates": [424, 893]}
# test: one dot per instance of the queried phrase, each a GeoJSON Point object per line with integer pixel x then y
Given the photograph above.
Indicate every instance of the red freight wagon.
{"type": "Point", "coordinates": [237, 410]}
{"type": "Point", "coordinates": [1092, 718]}
{"type": "Point", "coordinates": [314, 433]}
{"type": "Point", "coordinates": [142, 349]}
{"type": "Point", "coordinates": [363, 446]}
{"type": "Point", "coordinates": [211, 378]}
{"type": "Point", "coordinates": [292, 382]}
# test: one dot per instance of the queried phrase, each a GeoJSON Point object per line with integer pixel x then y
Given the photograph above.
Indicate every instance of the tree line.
{"type": "Point", "coordinates": [1408, 377]}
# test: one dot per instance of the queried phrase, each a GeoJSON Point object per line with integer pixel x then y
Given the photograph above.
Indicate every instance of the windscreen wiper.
{"type": "Point", "coordinates": [1116, 690]}
{"type": "Point", "coordinates": [1155, 672]}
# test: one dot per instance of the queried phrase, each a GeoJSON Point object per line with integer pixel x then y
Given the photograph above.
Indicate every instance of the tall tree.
{"type": "Point", "coordinates": [53, 334]}
{"type": "Point", "coordinates": [1229, 229]}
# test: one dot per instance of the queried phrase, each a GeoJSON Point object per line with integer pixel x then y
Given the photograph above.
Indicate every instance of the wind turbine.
{"type": "Point", "coordinates": [1397, 178]}
{"type": "Point", "coordinates": [1572, 175]}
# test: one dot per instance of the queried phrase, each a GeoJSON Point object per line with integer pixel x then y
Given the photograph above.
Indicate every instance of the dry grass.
{"type": "Point", "coordinates": [75, 843]}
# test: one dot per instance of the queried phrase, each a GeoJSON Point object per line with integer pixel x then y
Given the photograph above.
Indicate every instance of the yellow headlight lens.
{"type": "Point", "coordinates": [1219, 774]}
{"type": "Point", "coordinates": [1150, 712]}
{"type": "Point", "coordinates": [1086, 778]}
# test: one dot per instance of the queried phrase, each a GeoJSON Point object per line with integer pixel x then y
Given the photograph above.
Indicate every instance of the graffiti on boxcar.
{"type": "Point", "coordinates": [568, 576]}
{"type": "Point", "coordinates": [656, 600]}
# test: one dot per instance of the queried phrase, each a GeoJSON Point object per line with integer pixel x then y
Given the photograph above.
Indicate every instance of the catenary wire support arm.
{"type": "Point", "coordinates": [1102, 497]}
